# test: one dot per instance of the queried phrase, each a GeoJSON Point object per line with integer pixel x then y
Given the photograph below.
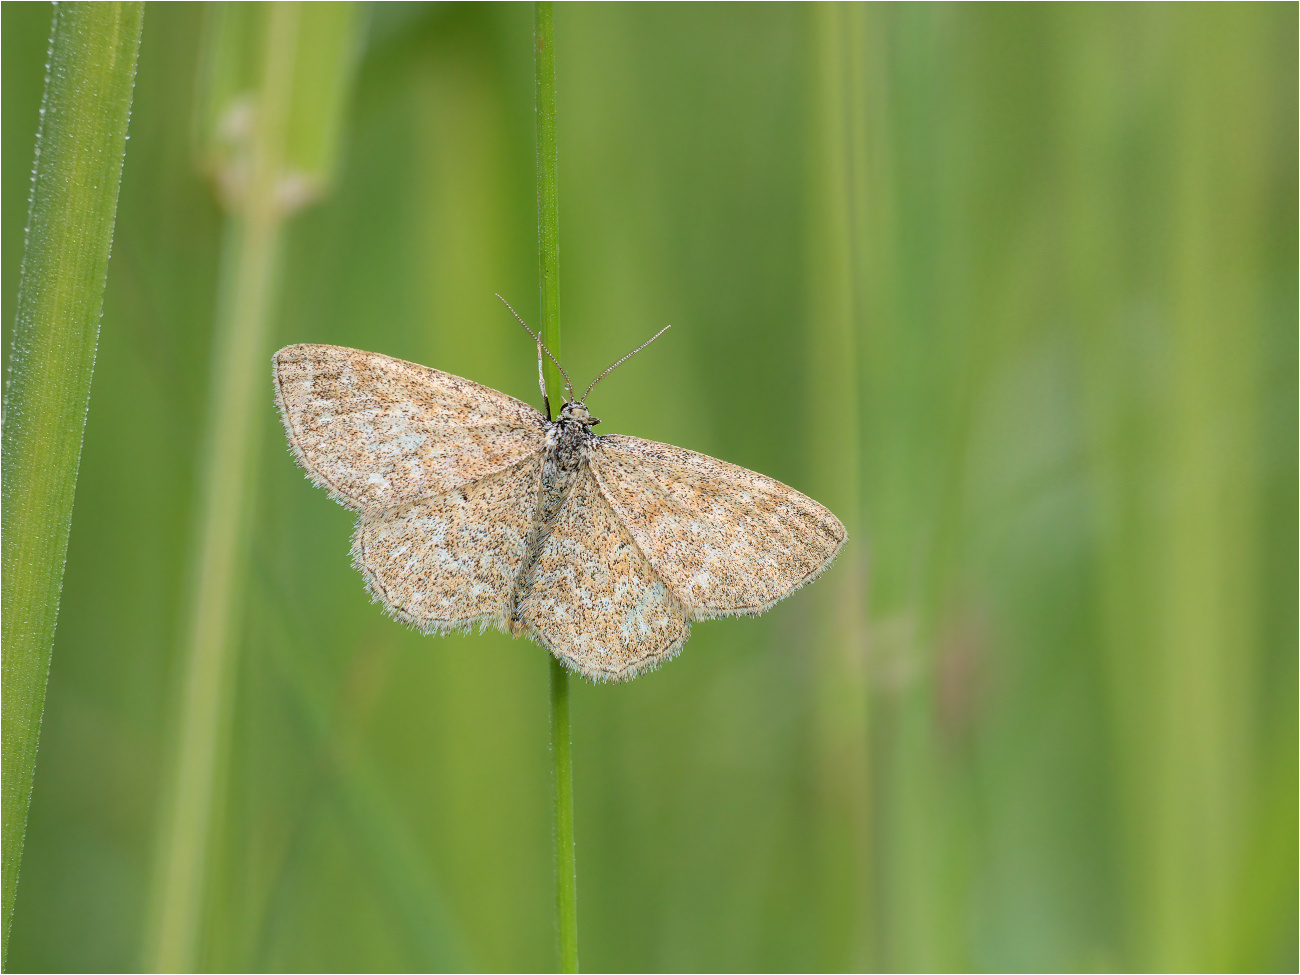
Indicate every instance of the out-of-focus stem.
{"type": "Point", "coordinates": [837, 224]}
{"type": "Point", "coordinates": [247, 297]}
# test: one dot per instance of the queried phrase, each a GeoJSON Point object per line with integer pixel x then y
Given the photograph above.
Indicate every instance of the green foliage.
{"type": "Point", "coordinates": [74, 186]}
{"type": "Point", "coordinates": [1043, 713]}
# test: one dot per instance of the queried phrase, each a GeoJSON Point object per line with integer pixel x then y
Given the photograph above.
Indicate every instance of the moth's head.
{"type": "Point", "coordinates": [576, 412]}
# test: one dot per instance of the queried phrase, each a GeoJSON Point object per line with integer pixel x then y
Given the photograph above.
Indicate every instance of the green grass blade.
{"type": "Point", "coordinates": [80, 147]}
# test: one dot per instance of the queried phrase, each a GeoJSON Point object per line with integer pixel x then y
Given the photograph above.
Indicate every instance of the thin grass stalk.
{"type": "Point", "coordinates": [548, 240]}
{"type": "Point", "coordinates": [246, 299]}
{"type": "Point", "coordinates": [548, 205]}
{"type": "Point", "coordinates": [566, 869]}
{"type": "Point", "coordinates": [80, 147]}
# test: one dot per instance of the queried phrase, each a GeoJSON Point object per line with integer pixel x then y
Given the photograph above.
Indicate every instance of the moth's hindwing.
{"type": "Point", "coordinates": [596, 602]}
{"type": "Point", "coordinates": [378, 432]}
{"type": "Point", "coordinates": [725, 539]}
{"type": "Point", "coordinates": [448, 562]}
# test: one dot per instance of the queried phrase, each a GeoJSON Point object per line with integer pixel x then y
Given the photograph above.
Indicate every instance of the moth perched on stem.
{"type": "Point", "coordinates": [477, 509]}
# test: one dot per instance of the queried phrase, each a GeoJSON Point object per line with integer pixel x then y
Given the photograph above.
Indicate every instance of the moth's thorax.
{"type": "Point", "coordinates": [564, 452]}
{"type": "Point", "coordinates": [568, 436]}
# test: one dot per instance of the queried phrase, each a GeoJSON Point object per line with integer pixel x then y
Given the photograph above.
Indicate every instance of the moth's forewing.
{"type": "Point", "coordinates": [727, 540]}
{"type": "Point", "coordinates": [378, 432]}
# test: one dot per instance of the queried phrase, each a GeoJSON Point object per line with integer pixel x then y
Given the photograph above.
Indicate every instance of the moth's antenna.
{"type": "Point", "coordinates": [623, 360]}
{"type": "Point", "coordinates": [568, 383]}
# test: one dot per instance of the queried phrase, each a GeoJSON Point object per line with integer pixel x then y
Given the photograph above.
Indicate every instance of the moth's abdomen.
{"type": "Point", "coordinates": [562, 461]}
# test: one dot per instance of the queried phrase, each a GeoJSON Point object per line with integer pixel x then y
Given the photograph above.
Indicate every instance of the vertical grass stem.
{"type": "Point", "coordinates": [548, 246]}
{"type": "Point", "coordinates": [548, 207]}
{"type": "Point", "coordinates": [566, 873]}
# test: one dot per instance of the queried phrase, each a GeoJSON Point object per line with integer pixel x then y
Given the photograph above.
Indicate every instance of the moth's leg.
{"type": "Point", "coordinates": [541, 381]}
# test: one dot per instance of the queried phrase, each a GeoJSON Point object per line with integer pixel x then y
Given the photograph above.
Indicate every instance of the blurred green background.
{"type": "Point", "coordinates": [1011, 288]}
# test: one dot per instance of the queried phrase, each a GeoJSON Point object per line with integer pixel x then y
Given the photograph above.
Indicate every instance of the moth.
{"type": "Point", "coordinates": [476, 508]}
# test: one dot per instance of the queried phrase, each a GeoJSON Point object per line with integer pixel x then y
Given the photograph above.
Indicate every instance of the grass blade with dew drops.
{"type": "Point", "coordinates": [79, 153]}
{"type": "Point", "coordinates": [548, 240]}
{"type": "Point", "coordinates": [276, 81]}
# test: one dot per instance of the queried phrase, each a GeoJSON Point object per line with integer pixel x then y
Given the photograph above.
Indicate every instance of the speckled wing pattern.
{"type": "Point", "coordinates": [726, 540]}
{"type": "Point", "coordinates": [378, 432]}
{"type": "Point", "coordinates": [596, 602]}
{"type": "Point", "coordinates": [448, 562]}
